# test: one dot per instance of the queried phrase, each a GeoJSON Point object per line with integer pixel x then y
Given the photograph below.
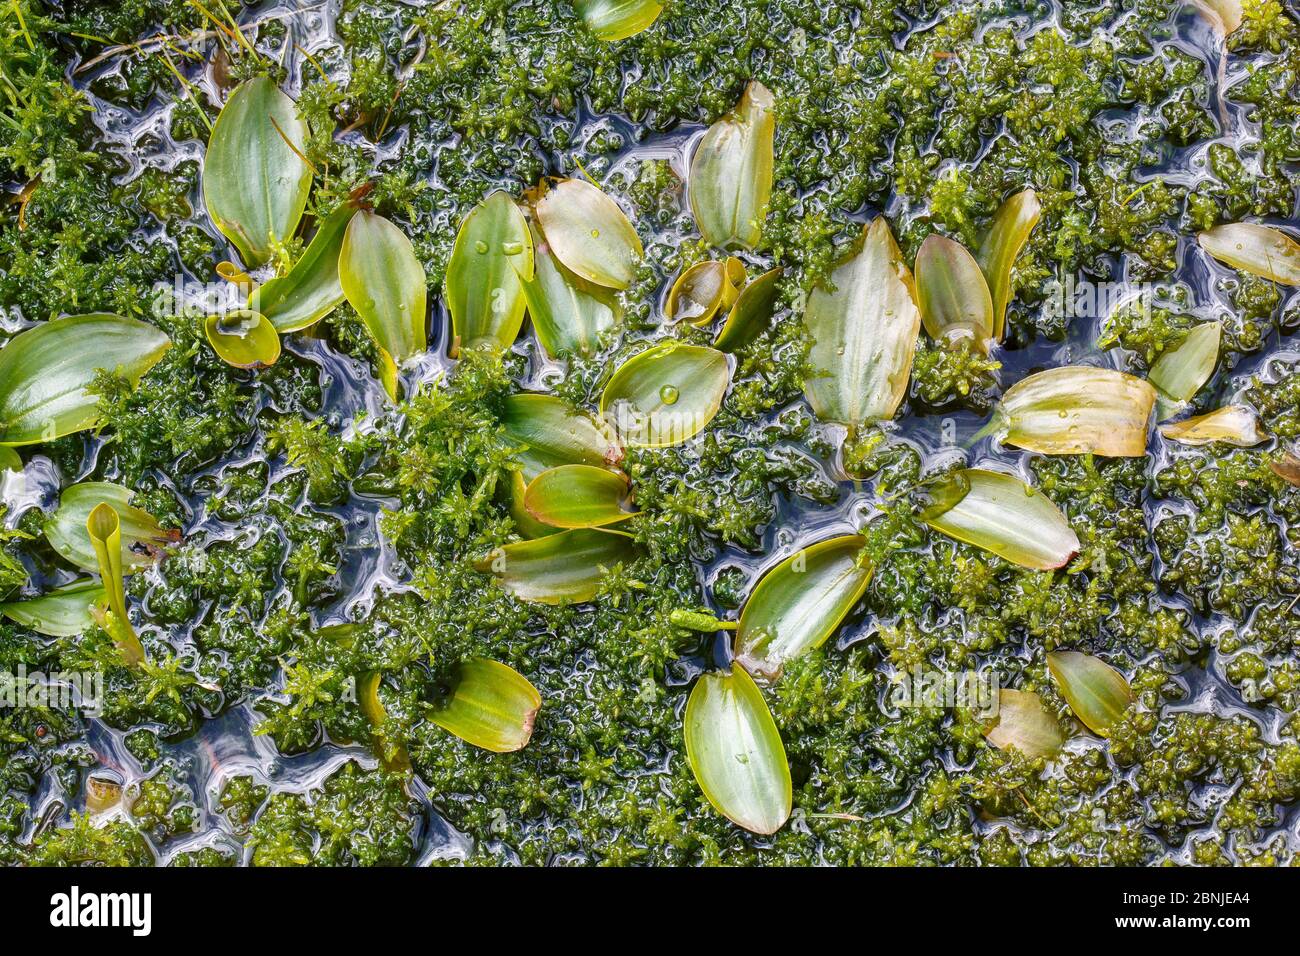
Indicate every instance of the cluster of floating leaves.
{"type": "Point", "coordinates": [560, 254]}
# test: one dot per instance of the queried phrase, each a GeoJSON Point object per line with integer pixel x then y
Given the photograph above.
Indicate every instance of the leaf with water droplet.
{"type": "Point", "coordinates": [61, 612]}
{"type": "Point", "coordinates": [589, 234]}
{"type": "Point", "coordinates": [666, 394]}
{"type": "Point", "coordinates": [952, 294]}
{"type": "Point", "coordinates": [564, 568]}
{"type": "Point", "coordinates": [1077, 410]}
{"type": "Point", "coordinates": [1232, 424]}
{"type": "Point", "coordinates": [730, 181]}
{"type": "Point", "coordinates": [244, 339]}
{"type": "Point", "coordinates": [569, 314]}
{"type": "Point", "coordinates": [1012, 224]}
{"type": "Point", "coordinates": [577, 496]}
{"type": "Point", "coordinates": [485, 278]}
{"type": "Point", "coordinates": [1096, 692]}
{"type": "Point", "coordinates": [612, 20]}
{"type": "Point", "coordinates": [1260, 250]}
{"type": "Point", "coordinates": [491, 706]}
{"type": "Point", "coordinates": [1023, 724]}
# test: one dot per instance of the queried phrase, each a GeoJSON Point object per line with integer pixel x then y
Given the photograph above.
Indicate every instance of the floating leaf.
{"type": "Point", "coordinates": [10, 460]}
{"type": "Point", "coordinates": [491, 706]}
{"type": "Point", "coordinates": [1180, 372]}
{"type": "Point", "coordinates": [731, 172]}
{"type": "Point", "coordinates": [1287, 468]}
{"type": "Point", "coordinates": [1096, 692]}
{"type": "Point", "coordinates": [564, 568]}
{"type": "Point", "coordinates": [569, 313]}
{"type": "Point", "coordinates": [385, 283]}
{"type": "Point", "coordinates": [588, 232]}
{"type": "Point", "coordinates": [255, 179]}
{"type": "Point", "coordinates": [46, 372]}
{"type": "Point", "coordinates": [617, 19]}
{"type": "Point", "coordinates": [1003, 515]}
{"type": "Point", "coordinates": [244, 339]}
{"type": "Point", "coordinates": [63, 612]}
{"type": "Point", "coordinates": [752, 313]}
{"type": "Point", "coordinates": [140, 533]}
{"type": "Point", "coordinates": [393, 757]}
{"type": "Point", "coordinates": [104, 531]}
{"type": "Point", "coordinates": [865, 332]}
{"type": "Point", "coordinates": [1224, 15]}
{"type": "Point", "coordinates": [735, 751]}
{"type": "Point", "coordinates": [1233, 424]}
{"type": "Point", "coordinates": [525, 523]}
{"type": "Point", "coordinates": [1259, 250]}
{"type": "Point", "coordinates": [491, 260]}
{"type": "Point", "coordinates": [551, 432]}
{"type": "Point", "coordinates": [666, 394]}
{"type": "Point", "coordinates": [703, 289]}
{"type": "Point", "coordinates": [952, 294]}
{"type": "Point", "coordinates": [799, 603]}
{"type": "Point", "coordinates": [1012, 224]}
{"type": "Point", "coordinates": [577, 496]}
{"type": "Point", "coordinates": [1077, 410]}
{"type": "Point", "coordinates": [310, 290]}
{"type": "Point", "coordinates": [1024, 724]}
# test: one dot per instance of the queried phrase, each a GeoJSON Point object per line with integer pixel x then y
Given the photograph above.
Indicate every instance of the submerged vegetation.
{"type": "Point", "coordinates": [588, 422]}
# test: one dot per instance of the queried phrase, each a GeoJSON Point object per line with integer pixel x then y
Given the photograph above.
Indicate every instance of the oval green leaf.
{"type": "Point", "coordinates": [588, 232]}
{"type": "Point", "coordinates": [735, 751]}
{"type": "Point", "coordinates": [1077, 410]}
{"type": "Point", "coordinates": [577, 496]}
{"type": "Point", "coordinates": [63, 612]}
{"type": "Point", "coordinates": [1023, 724]}
{"type": "Point", "coordinates": [141, 535]}
{"type": "Point", "coordinates": [255, 179]}
{"type": "Point", "coordinates": [46, 372]}
{"type": "Point", "coordinates": [799, 604]}
{"type": "Point", "coordinates": [752, 313]}
{"type": "Point", "coordinates": [1180, 372]}
{"type": "Point", "coordinates": [731, 172]}
{"type": "Point", "coordinates": [666, 394]}
{"type": "Point", "coordinates": [550, 432]}
{"type": "Point", "coordinates": [864, 323]}
{"type": "Point", "coordinates": [491, 706]}
{"type": "Point", "coordinates": [569, 313]}
{"type": "Point", "coordinates": [1260, 250]}
{"type": "Point", "coordinates": [492, 259]}
{"type": "Point", "coordinates": [1096, 692]}
{"type": "Point", "coordinates": [244, 339]}
{"type": "Point", "coordinates": [952, 294]}
{"type": "Point", "coordinates": [310, 290]}
{"type": "Point", "coordinates": [1002, 514]}
{"type": "Point", "coordinates": [1012, 224]}
{"type": "Point", "coordinates": [564, 568]}
{"type": "Point", "coordinates": [1232, 424]}
{"type": "Point", "coordinates": [612, 20]}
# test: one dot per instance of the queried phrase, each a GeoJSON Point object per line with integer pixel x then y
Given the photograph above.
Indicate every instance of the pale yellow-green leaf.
{"type": "Point", "coordinates": [1024, 724]}
{"type": "Point", "coordinates": [569, 314]}
{"type": "Point", "coordinates": [103, 529]}
{"type": "Point", "coordinates": [1077, 410]}
{"type": "Point", "coordinates": [564, 568]}
{"type": "Point", "coordinates": [952, 294]}
{"type": "Point", "coordinates": [1180, 372]}
{"type": "Point", "coordinates": [384, 281]}
{"type": "Point", "coordinates": [62, 612]}
{"type": "Point", "coordinates": [577, 496]}
{"type": "Point", "coordinates": [1260, 250]}
{"type": "Point", "coordinates": [548, 431]}
{"type": "Point", "coordinates": [666, 394]}
{"type": "Point", "coordinates": [244, 339]}
{"type": "Point", "coordinates": [1012, 224]}
{"type": "Point", "coordinates": [491, 706]}
{"type": "Point", "coordinates": [1232, 424]}
{"type": "Point", "coordinates": [1096, 692]}
{"type": "Point", "coordinates": [142, 537]}
{"type": "Point", "coordinates": [612, 20]}
{"type": "Point", "coordinates": [730, 182]}
{"type": "Point", "coordinates": [589, 234]}
{"type": "Point", "coordinates": [491, 261]}
{"type": "Point", "coordinates": [752, 312]}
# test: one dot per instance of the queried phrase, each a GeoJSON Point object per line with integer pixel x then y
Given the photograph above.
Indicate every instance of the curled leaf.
{"type": "Point", "coordinates": [1003, 515]}
{"type": "Point", "coordinates": [103, 529]}
{"type": "Point", "coordinates": [564, 568]}
{"type": "Point", "coordinates": [1077, 410]}
{"type": "Point", "coordinates": [952, 294]}
{"type": "Point", "coordinates": [864, 322]}
{"type": "Point", "coordinates": [589, 234]}
{"type": "Point", "coordinates": [666, 394]}
{"type": "Point", "coordinates": [1259, 250]}
{"type": "Point", "coordinates": [310, 290]}
{"type": "Point", "coordinates": [1024, 724]}
{"type": "Point", "coordinates": [1096, 692]}
{"type": "Point", "coordinates": [735, 751]}
{"type": "Point", "coordinates": [798, 604]}
{"type": "Point", "coordinates": [255, 179]}
{"type": "Point", "coordinates": [244, 339]}
{"type": "Point", "coordinates": [46, 372]}
{"type": "Point", "coordinates": [103, 791]}
{"type": "Point", "coordinates": [393, 757]}
{"type": "Point", "coordinates": [752, 313]}
{"type": "Point", "coordinates": [491, 706]}
{"type": "Point", "coordinates": [1012, 224]}
{"type": "Point", "coordinates": [140, 534]}
{"type": "Point", "coordinates": [577, 496]}
{"type": "Point", "coordinates": [612, 20]}
{"type": "Point", "coordinates": [1180, 372]}
{"type": "Point", "coordinates": [569, 313]}
{"type": "Point", "coordinates": [703, 289]}
{"type": "Point", "coordinates": [731, 172]}
{"type": "Point", "coordinates": [62, 612]}
{"type": "Point", "coordinates": [550, 432]}
{"type": "Point", "coordinates": [491, 261]}
{"type": "Point", "coordinates": [1233, 424]}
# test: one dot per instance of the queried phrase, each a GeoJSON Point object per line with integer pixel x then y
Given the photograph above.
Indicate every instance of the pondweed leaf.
{"type": "Point", "coordinates": [577, 496]}
{"type": "Point", "coordinates": [1024, 724]}
{"type": "Point", "coordinates": [491, 706]}
{"type": "Point", "coordinates": [589, 234]}
{"type": "Point", "coordinates": [613, 20]}
{"type": "Point", "coordinates": [1002, 514]}
{"type": "Point", "coordinates": [550, 432]}
{"type": "Point", "coordinates": [142, 538]}
{"type": "Point", "coordinates": [47, 370]}
{"type": "Point", "coordinates": [730, 181]}
{"type": "Point", "coordinates": [491, 261]}
{"type": "Point", "coordinates": [1012, 224]}
{"type": "Point", "coordinates": [1260, 250]}
{"type": "Point", "coordinates": [1232, 424]}
{"type": "Point", "coordinates": [703, 289]}
{"type": "Point", "coordinates": [1287, 468]}
{"type": "Point", "coordinates": [1180, 372]}
{"type": "Point", "coordinates": [666, 394]}
{"type": "Point", "coordinates": [799, 603]}
{"type": "Point", "coordinates": [752, 313]}
{"type": "Point", "coordinates": [255, 179]}
{"type": "Point", "coordinates": [1077, 410]}
{"type": "Point", "coordinates": [735, 751]}
{"type": "Point", "coordinates": [564, 568]}
{"type": "Point", "coordinates": [569, 314]}
{"type": "Point", "coordinates": [864, 321]}
{"type": "Point", "coordinates": [392, 756]}
{"type": "Point", "coordinates": [1096, 692]}
{"type": "Point", "coordinates": [102, 527]}
{"type": "Point", "coordinates": [62, 612]}
{"type": "Point", "coordinates": [952, 294]}
{"type": "Point", "coordinates": [1224, 15]}
{"type": "Point", "coordinates": [244, 339]}
{"type": "Point", "coordinates": [310, 290]}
